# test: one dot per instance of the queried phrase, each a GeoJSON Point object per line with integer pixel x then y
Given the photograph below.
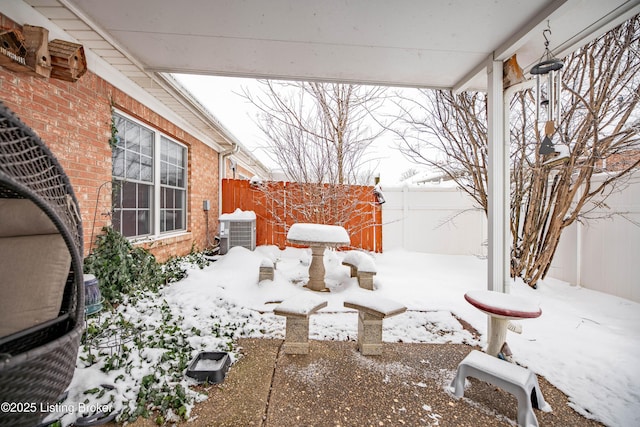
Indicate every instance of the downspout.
{"type": "Point", "coordinates": [222, 170]}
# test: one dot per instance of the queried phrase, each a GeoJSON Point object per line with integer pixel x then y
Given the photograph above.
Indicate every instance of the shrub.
{"type": "Point", "coordinates": [122, 268]}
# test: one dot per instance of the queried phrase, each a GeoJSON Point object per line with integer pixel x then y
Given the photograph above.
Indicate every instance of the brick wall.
{"type": "Point", "coordinates": [74, 121]}
{"type": "Point", "coordinates": [240, 171]}
{"type": "Point", "coordinates": [618, 162]}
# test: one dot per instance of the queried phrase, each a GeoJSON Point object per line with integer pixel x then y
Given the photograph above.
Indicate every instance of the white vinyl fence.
{"type": "Point", "coordinates": [439, 219]}
{"type": "Point", "coordinates": [602, 255]}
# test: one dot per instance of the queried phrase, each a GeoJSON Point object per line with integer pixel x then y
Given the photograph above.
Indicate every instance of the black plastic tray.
{"type": "Point", "coordinates": [214, 375]}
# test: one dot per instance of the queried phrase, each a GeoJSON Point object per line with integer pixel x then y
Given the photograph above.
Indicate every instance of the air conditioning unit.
{"type": "Point", "coordinates": [237, 229]}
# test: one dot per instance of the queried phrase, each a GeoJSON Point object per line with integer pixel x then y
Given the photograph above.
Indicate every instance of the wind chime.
{"type": "Point", "coordinates": [548, 80]}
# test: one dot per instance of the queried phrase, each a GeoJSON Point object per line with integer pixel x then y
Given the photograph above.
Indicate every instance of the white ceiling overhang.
{"type": "Point", "coordinates": [417, 43]}
{"type": "Point", "coordinates": [436, 43]}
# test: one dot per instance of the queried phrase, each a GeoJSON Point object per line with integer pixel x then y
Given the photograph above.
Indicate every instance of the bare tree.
{"type": "Point", "coordinates": [600, 111]}
{"type": "Point", "coordinates": [319, 134]}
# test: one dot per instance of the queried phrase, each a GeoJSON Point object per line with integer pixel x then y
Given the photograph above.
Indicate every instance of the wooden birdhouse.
{"type": "Point", "coordinates": [67, 60]}
{"type": "Point", "coordinates": [13, 51]}
{"type": "Point", "coordinates": [36, 40]}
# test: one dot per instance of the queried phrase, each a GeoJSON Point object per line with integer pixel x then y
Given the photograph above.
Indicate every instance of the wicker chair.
{"type": "Point", "coordinates": [41, 282]}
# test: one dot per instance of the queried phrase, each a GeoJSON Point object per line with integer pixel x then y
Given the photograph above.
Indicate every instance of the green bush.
{"type": "Point", "coordinates": [122, 268]}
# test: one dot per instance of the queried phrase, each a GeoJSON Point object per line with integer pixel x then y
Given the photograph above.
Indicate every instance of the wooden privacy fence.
{"type": "Point", "coordinates": [278, 205]}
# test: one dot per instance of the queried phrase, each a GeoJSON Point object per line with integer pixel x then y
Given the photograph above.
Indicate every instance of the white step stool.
{"type": "Point", "coordinates": [519, 381]}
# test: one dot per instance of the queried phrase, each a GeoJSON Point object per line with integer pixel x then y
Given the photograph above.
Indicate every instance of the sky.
{"type": "Point", "coordinates": [222, 97]}
{"type": "Point", "coordinates": [586, 343]}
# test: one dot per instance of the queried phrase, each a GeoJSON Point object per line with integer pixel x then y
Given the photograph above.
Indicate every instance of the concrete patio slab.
{"type": "Point", "coordinates": [334, 385]}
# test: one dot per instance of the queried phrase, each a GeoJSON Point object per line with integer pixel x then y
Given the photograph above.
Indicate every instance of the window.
{"type": "Point", "coordinates": [149, 190]}
{"type": "Point", "coordinates": [172, 185]}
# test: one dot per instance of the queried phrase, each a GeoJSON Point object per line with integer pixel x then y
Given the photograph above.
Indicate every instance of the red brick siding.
{"type": "Point", "coordinates": [618, 162]}
{"type": "Point", "coordinates": [74, 121]}
{"type": "Point", "coordinates": [245, 172]}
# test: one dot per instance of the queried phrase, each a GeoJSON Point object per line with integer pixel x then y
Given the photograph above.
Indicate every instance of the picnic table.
{"type": "Point", "coordinates": [318, 237]}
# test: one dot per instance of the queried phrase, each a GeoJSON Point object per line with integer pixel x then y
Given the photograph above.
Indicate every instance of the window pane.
{"type": "Point", "coordinates": [170, 216]}
{"type": "Point", "coordinates": [178, 221]}
{"type": "Point", "coordinates": [116, 198]}
{"type": "Point", "coordinates": [146, 168]}
{"type": "Point", "coordinates": [116, 222]}
{"type": "Point", "coordinates": [163, 173]}
{"type": "Point", "coordinates": [133, 166]}
{"type": "Point", "coordinates": [144, 196]}
{"type": "Point", "coordinates": [118, 162]}
{"type": "Point", "coordinates": [129, 195]}
{"type": "Point", "coordinates": [133, 137]}
{"type": "Point", "coordinates": [179, 199]}
{"type": "Point", "coordinates": [171, 176]}
{"type": "Point", "coordinates": [163, 224]}
{"type": "Point", "coordinates": [129, 221]}
{"type": "Point", "coordinates": [180, 178]}
{"type": "Point", "coordinates": [164, 143]}
{"type": "Point", "coordinates": [146, 142]}
{"type": "Point", "coordinates": [171, 153]}
{"type": "Point", "coordinates": [120, 124]}
{"type": "Point", "coordinates": [144, 224]}
{"type": "Point", "coordinates": [146, 173]}
{"type": "Point", "coordinates": [169, 198]}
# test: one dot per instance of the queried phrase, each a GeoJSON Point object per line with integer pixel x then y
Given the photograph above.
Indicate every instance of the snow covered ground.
{"type": "Point", "coordinates": [586, 343]}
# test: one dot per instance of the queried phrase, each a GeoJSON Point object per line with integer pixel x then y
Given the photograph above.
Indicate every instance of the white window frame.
{"type": "Point", "coordinates": [155, 233]}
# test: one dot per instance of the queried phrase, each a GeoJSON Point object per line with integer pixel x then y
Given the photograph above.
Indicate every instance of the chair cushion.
{"type": "Point", "coordinates": [22, 217]}
{"type": "Point", "coordinates": [33, 273]}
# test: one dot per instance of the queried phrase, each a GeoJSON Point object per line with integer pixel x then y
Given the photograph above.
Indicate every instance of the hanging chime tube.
{"type": "Point", "coordinates": [538, 98]}
{"type": "Point", "coordinates": [550, 96]}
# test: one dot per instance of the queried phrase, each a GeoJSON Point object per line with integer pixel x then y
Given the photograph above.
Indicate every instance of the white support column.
{"type": "Point", "coordinates": [506, 102]}
{"type": "Point", "coordinates": [498, 177]}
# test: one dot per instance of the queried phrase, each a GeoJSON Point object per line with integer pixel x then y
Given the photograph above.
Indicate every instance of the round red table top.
{"type": "Point", "coordinates": [506, 306]}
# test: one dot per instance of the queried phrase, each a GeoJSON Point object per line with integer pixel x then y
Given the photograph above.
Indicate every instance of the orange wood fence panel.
{"type": "Point", "coordinates": [277, 212]}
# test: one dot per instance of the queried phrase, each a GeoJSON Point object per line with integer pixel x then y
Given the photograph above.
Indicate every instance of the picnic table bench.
{"type": "Point", "coordinates": [372, 309]}
{"type": "Point", "coordinates": [267, 267]}
{"type": "Point", "coordinates": [297, 310]}
{"type": "Point", "coordinates": [362, 266]}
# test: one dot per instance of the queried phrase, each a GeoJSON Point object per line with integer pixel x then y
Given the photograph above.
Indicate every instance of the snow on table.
{"type": "Point", "coordinates": [318, 233]}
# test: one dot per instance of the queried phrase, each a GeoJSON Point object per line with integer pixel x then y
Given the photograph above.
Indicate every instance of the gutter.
{"type": "Point", "coordinates": [171, 84]}
{"type": "Point", "coordinates": [222, 170]}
